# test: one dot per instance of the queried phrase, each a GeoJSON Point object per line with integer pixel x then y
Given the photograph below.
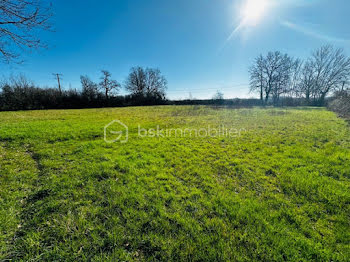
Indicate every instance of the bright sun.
{"type": "Point", "coordinates": [253, 10]}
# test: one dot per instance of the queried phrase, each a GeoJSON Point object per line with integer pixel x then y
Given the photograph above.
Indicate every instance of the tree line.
{"type": "Point", "coordinates": [278, 75]}
{"type": "Point", "coordinates": [146, 86]}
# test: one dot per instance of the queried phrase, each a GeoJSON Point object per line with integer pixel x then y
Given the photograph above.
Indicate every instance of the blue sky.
{"type": "Point", "coordinates": [188, 40]}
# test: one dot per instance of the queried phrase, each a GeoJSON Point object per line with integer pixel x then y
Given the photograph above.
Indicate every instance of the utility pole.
{"type": "Point", "coordinates": [57, 76]}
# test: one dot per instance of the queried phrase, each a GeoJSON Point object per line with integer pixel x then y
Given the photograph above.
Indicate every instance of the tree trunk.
{"type": "Point", "coordinates": [308, 98]}
{"type": "Point", "coordinates": [322, 99]}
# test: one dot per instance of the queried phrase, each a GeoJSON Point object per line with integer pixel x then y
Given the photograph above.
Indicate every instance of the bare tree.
{"type": "Point", "coordinates": [270, 75]}
{"type": "Point", "coordinates": [19, 22]}
{"type": "Point", "coordinates": [295, 77]}
{"type": "Point", "coordinates": [107, 84]}
{"type": "Point", "coordinates": [307, 84]}
{"type": "Point", "coordinates": [330, 71]}
{"type": "Point", "coordinates": [146, 82]}
{"type": "Point", "coordinates": [326, 71]}
{"type": "Point", "coordinates": [156, 84]}
{"type": "Point", "coordinates": [20, 81]}
{"type": "Point", "coordinates": [282, 77]}
{"type": "Point", "coordinates": [257, 77]}
{"type": "Point", "coordinates": [218, 96]}
{"type": "Point", "coordinates": [90, 89]}
{"type": "Point", "coordinates": [136, 81]}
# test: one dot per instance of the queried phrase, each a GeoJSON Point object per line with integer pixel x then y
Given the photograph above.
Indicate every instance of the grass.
{"type": "Point", "coordinates": [278, 192]}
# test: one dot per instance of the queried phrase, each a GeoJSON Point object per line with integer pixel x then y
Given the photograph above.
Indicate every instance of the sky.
{"type": "Point", "coordinates": [200, 46]}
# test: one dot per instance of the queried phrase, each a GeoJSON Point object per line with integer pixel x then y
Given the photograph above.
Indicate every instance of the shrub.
{"type": "Point", "coordinates": [341, 104]}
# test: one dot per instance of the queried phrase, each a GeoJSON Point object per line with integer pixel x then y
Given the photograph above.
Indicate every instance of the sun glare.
{"type": "Point", "coordinates": [253, 10]}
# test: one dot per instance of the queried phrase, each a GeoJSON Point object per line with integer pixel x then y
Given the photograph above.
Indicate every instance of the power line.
{"type": "Point", "coordinates": [206, 89]}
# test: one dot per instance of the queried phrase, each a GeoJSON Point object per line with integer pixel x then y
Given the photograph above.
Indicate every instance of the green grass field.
{"type": "Point", "coordinates": [278, 191]}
